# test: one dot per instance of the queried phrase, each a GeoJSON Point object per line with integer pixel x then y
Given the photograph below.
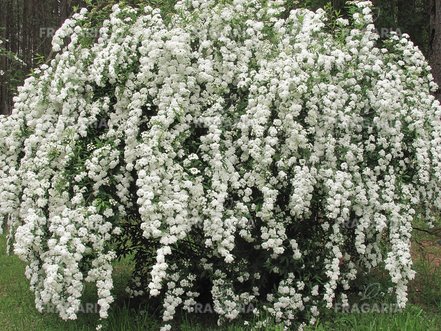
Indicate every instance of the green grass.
{"type": "Point", "coordinates": [17, 311]}
{"type": "Point", "coordinates": [412, 319]}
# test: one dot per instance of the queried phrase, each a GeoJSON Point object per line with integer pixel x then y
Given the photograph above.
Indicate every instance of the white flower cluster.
{"type": "Point", "coordinates": [250, 135]}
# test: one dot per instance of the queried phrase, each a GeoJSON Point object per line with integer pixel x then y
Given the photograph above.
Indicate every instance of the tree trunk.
{"type": "Point", "coordinates": [435, 42]}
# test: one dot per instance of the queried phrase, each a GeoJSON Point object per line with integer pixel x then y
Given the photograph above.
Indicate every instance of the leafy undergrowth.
{"type": "Point", "coordinates": [425, 289]}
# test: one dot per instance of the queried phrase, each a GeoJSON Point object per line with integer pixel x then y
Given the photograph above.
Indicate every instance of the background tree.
{"type": "Point", "coordinates": [435, 40]}
{"type": "Point", "coordinates": [26, 29]}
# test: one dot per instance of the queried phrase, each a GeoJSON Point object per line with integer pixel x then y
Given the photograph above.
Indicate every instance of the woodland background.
{"type": "Point", "coordinates": [27, 26]}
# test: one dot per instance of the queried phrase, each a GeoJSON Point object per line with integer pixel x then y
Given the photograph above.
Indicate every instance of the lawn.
{"type": "Point", "coordinates": [17, 311]}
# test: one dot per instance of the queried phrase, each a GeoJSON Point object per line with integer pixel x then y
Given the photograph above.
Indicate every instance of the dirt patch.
{"type": "Point", "coordinates": [428, 251]}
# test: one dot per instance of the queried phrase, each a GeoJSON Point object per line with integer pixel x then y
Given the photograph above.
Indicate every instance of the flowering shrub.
{"type": "Point", "coordinates": [243, 153]}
